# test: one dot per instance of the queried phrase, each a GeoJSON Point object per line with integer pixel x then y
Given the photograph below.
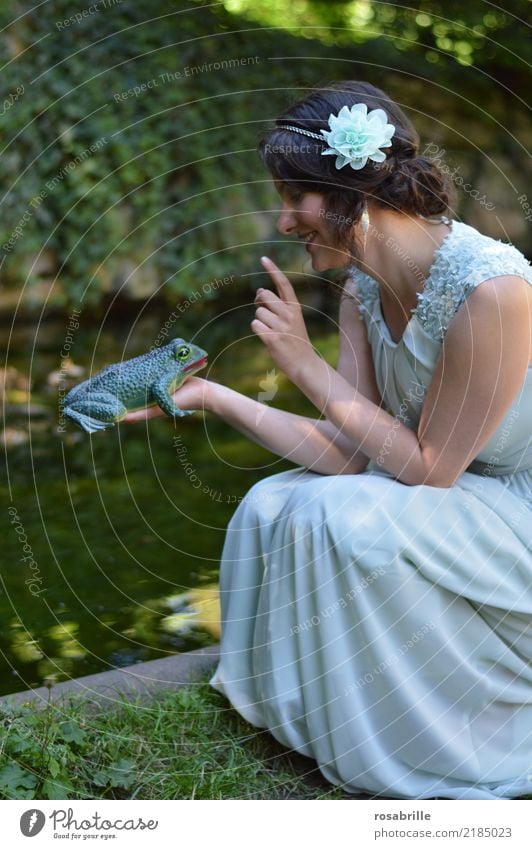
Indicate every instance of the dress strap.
{"type": "Point", "coordinates": [441, 219]}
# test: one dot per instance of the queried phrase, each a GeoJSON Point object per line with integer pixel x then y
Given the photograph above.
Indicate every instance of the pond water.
{"type": "Point", "coordinates": [122, 531]}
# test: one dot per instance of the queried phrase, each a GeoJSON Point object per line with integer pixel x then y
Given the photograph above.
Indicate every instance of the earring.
{"type": "Point", "coordinates": [364, 224]}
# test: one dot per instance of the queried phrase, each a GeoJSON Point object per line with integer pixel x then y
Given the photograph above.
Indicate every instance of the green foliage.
{"type": "Point", "coordinates": [185, 745]}
{"type": "Point", "coordinates": [37, 753]}
{"type": "Point", "coordinates": [129, 136]}
{"type": "Point", "coordinates": [475, 32]}
{"type": "Point", "coordinates": [130, 144]}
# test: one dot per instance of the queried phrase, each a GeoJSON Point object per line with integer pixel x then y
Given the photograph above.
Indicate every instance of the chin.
{"type": "Point", "coordinates": [319, 263]}
{"type": "Point", "coordinates": [322, 264]}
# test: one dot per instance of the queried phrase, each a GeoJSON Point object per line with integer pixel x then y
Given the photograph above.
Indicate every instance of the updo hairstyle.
{"type": "Point", "coordinates": [405, 182]}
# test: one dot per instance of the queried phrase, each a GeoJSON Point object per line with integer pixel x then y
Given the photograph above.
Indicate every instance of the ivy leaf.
{"type": "Point", "coordinates": [18, 744]}
{"type": "Point", "coordinates": [54, 767]}
{"type": "Point", "coordinates": [17, 783]}
{"type": "Point", "coordinates": [100, 778]}
{"type": "Point", "coordinates": [71, 732]}
{"type": "Point", "coordinates": [58, 788]}
{"type": "Point", "coordinates": [121, 773]}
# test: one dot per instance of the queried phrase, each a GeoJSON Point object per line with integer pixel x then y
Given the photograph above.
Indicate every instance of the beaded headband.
{"type": "Point", "coordinates": [355, 135]}
{"type": "Point", "coordinates": [299, 130]}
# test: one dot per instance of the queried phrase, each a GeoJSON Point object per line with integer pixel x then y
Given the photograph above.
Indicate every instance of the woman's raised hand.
{"type": "Point", "coordinates": [280, 325]}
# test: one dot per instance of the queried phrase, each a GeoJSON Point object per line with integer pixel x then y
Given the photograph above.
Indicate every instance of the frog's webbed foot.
{"type": "Point", "coordinates": [86, 422]}
{"type": "Point", "coordinates": [165, 401]}
{"type": "Point", "coordinates": [99, 410]}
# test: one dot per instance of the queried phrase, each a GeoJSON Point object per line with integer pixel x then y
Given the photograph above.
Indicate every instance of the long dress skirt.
{"type": "Point", "coordinates": [385, 630]}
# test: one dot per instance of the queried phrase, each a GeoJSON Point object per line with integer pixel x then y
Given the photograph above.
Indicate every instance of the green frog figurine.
{"type": "Point", "coordinates": [144, 381]}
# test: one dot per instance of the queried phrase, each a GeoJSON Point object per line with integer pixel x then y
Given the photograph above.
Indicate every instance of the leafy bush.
{"type": "Point", "coordinates": [128, 134]}
{"type": "Point", "coordinates": [130, 146]}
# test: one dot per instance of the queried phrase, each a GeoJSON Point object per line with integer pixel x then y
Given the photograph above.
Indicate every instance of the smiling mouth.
{"type": "Point", "coordinates": [308, 237]}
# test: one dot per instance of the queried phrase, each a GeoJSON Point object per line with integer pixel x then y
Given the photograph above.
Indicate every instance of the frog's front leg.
{"type": "Point", "coordinates": [96, 411]}
{"type": "Point", "coordinates": [160, 392]}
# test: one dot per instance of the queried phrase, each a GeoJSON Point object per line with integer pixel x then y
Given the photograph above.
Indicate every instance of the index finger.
{"type": "Point", "coordinates": [284, 287]}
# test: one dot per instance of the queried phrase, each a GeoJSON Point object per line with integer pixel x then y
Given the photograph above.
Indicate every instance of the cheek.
{"type": "Point", "coordinates": [328, 237]}
{"type": "Point", "coordinates": [314, 212]}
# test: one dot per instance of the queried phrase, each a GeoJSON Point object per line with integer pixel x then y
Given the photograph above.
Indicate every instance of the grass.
{"type": "Point", "coordinates": [185, 745]}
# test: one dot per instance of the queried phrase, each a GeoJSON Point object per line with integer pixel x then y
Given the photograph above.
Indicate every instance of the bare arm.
{"type": "Point", "coordinates": [484, 359]}
{"type": "Point", "coordinates": [315, 444]}
{"type": "Point", "coordinates": [483, 362]}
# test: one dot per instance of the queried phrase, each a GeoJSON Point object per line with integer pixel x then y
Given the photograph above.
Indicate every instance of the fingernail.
{"type": "Point", "coordinates": [264, 259]}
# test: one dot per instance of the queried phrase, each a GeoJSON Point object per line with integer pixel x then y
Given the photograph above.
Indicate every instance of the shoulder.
{"type": "Point", "coordinates": [483, 365]}
{"type": "Point", "coordinates": [484, 257]}
{"type": "Point", "coordinates": [360, 290]}
{"type": "Point", "coordinates": [467, 259]}
{"type": "Point", "coordinates": [501, 305]}
{"type": "Point", "coordinates": [508, 291]}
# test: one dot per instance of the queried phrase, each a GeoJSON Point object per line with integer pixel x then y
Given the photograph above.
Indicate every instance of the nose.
{"type": "Point", "coordinates": [286, 222]}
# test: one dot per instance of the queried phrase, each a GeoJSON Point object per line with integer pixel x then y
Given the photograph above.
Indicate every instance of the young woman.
{"type": "Point", "coordinates": [377, 600]}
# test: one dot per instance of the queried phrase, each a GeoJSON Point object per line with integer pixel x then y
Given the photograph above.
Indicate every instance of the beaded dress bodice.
{"type": "Point", "coordinates": [404, 369]}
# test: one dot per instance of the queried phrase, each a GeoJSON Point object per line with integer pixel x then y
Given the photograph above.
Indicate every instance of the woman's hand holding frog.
{"type": "Point", "coordinates": [193, 394]}
{"type": "Point", "coordinates": [280, 325]}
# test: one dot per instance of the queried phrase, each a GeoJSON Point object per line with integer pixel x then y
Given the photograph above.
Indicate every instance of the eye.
{"type": "Point", "coordinates": [289, 192]}
{"type": "Point", "coordinates": [294, 195]}
{"type": "Point", "coordinates": [183, 353]}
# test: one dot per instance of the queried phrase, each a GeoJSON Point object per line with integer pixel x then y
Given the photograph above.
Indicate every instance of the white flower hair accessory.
{"type": "Point", "coordinates": [356, 136]}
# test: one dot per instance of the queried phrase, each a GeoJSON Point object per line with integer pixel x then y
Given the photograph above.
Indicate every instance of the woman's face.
{"type": "Point", "coordinates": [304, 215]}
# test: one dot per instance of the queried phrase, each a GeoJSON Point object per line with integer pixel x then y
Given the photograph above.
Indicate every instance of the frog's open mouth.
{"type": "Point", "coordinates": [197, 365]}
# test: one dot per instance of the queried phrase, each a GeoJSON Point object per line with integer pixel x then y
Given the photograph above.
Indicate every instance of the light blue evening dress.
{"type": "Point", "coordinates": [385, 630]}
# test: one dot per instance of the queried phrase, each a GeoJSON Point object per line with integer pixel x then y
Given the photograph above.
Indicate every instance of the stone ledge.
{"type": "Point", "coordinates": [144, 680]}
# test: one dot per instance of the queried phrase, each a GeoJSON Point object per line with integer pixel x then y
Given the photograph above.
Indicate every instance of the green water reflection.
{"type": "Point", "coordinates": [127, 544]}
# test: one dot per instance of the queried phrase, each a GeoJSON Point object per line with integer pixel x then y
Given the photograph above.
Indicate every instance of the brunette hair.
{"type": "Point", "coordinates": [404, 182]}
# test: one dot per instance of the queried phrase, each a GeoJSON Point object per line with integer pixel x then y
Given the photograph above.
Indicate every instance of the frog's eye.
{"type": "Point", "coordinates": [183, 353]}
